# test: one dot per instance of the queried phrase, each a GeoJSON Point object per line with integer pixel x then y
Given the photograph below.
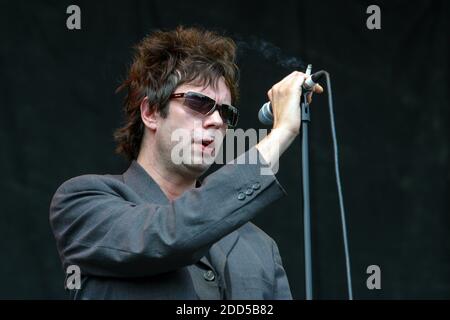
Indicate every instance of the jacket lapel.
{"type": "Point", "coordinates": [219, 255]}
{"type": "Point", "coordinates": [142, 183]}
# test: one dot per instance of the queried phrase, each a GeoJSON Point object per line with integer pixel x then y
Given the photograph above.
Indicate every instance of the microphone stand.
{"type": "Point", "coordinates": [306, 204]}
{"type": "Point", "coordinates": [265, 115]}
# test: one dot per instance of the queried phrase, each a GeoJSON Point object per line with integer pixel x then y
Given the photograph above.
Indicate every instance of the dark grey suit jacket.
{"type": "Point", "coordinates": [131, 242]}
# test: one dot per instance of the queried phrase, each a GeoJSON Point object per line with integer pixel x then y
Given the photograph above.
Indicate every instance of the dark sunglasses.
{"type": "Point", "coordinates": [206, 106]}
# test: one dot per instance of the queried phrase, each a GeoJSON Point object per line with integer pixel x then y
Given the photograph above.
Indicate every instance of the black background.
{"type": "Point", "coordinates": [58, 111]}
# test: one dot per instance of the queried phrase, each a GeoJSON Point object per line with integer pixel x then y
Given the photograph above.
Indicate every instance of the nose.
{"type": "Point", "coordinates": [213, 120]}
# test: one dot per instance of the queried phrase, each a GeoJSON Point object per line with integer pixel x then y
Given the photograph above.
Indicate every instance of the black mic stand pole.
{"type": "Point", "coordinates": [306, 204]}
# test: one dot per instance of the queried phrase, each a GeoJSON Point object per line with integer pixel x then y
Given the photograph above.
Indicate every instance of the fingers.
{"type": "Point", "coordinates": [269, 94]}
{"type": "Point", "coordinates": [318, 88]}
{"type": "Point", "coordinates": [287, 85]}
{"type": "Point", "coordinates": [291, 82]}
{"type": "Point", "coordinates": [295, 77]}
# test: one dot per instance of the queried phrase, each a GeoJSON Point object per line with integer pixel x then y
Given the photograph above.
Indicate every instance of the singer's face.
{"type": "Point", "coordinates": [189, 139]}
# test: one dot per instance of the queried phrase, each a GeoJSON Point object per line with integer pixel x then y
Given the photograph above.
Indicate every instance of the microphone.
{"type": "Point", "coordinates": [265, 114]}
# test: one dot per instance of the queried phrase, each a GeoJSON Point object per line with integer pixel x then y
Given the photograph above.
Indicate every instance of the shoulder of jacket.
{"type": "Point", "coordinates": [91, 181]}
{"type": "Point", "coordinates": [250, 230]}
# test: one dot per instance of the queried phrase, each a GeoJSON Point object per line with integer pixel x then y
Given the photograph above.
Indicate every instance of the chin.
{"type": "Point", "coordinates": [197, 169]}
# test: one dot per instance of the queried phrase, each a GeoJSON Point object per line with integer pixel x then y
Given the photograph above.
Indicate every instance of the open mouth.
{"type": "Point", "coordinates": [208, 146]}
{"type": "Point", "coordinates": [207, 142]}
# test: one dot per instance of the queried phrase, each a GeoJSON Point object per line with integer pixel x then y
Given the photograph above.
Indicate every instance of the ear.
{"type": "Point", "coordinates": [149, 116]}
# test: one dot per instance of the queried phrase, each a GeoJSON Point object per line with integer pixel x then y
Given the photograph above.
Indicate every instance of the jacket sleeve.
{"type": "Point", "coordinates": [105, 235]}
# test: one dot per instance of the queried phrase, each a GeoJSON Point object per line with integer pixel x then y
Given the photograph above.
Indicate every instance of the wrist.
{"type": "Point", "coordinates": [287, 132]}
{"type": "Point", "coordinates": [275, 143]}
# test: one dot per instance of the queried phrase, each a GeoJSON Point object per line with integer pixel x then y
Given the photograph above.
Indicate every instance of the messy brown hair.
{"type": "Point", "coordinates": [163, 61]}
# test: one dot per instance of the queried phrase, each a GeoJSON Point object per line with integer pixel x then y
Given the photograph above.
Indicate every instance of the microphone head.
{"type": "Point", "coordinates": [265, 115]}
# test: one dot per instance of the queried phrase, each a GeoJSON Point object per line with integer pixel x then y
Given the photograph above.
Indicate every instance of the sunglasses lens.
{"type": "Point", "coordinates": [199, 103]}
{"type": "Point", "coordinates": [229, 115]}
{"type": "Point", "coordinates": [204, 104]}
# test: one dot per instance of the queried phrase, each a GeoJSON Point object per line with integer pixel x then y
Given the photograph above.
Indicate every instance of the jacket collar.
{"type": "Point", "coordinates": [143, 184]}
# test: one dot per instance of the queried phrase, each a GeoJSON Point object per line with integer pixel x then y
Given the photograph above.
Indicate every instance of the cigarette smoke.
{"type": "Point", "coordinates": [268, 51]}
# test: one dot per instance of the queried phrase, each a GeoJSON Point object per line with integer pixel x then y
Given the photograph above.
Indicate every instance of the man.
{"type": "Point", "coordinates": [156, 231]}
